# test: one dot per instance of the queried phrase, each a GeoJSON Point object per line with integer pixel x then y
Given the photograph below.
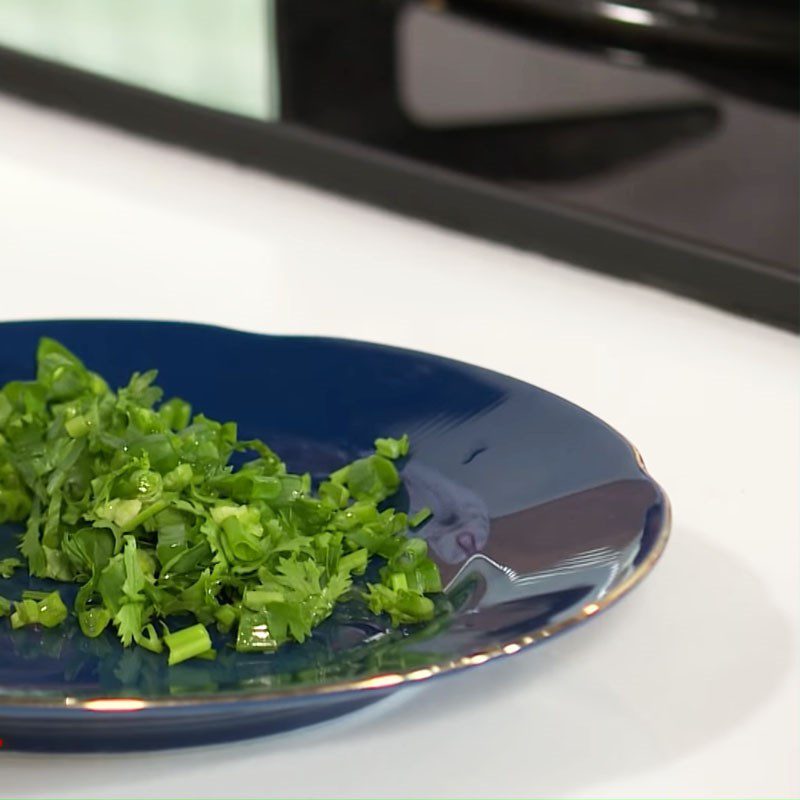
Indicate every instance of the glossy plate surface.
{"type": "Point", "coordinates": [543, 515]}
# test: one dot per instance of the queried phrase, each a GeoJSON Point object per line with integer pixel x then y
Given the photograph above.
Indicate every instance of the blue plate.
{"type": "Point", "coordinates": [543, 516]}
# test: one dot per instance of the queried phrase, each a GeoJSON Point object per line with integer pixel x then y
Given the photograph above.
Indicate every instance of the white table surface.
{"type": "Point", "coordinates": [689, 688]}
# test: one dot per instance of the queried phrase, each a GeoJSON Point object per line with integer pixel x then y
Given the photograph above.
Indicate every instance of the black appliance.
{"type": "Point", "coordinates": [652, 139]}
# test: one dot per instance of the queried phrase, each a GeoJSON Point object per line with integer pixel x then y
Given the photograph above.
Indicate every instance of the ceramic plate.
{"type": "Point", "coordinates": [543, 516]}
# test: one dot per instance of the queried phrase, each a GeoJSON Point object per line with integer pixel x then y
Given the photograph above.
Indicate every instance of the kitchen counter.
{"type": "Point", "coordinates": [688, 688]}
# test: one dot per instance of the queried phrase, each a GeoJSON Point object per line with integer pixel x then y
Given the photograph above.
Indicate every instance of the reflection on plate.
{"type": "Point", "coordinates": [543, 516]}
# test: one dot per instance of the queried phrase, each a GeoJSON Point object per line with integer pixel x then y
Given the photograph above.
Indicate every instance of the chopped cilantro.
{"type": "Point", "coordinates": [135, 499]}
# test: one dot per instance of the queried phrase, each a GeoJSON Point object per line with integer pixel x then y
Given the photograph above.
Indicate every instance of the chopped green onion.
{"type": "Point", "coordinates": [257, 599]}
{"type": "Point", "coordinates": [254, 634]}
{"type": "Point", "coordinates": [8, 565]}
{"type": "Point", "coordinates": [77, 427]}
{"type": "Point", "coordinates": [424, 514]}
{"type": "Point", "coordinates": [392, 448]}
{"type": "Point", "coordinates": [138, 502]}
{"type": "Point", "coordinates": [38, 608]}
{"type": "Point", "coordinates": [94, 621]}
{"type": "Point", "coordinates": [334, 494]}
{"type": "Point", "coordinates": [409, 555]}
{"type": "Point", "coordinates": [398, 580]}
{"type": "Point", "coordinates": [187, 643]}
{"type": "Point", "coordinates": [355, 561]}
{"type": "Point", "coordinates": [227, 617]}
{"type": "Point", "coordinates": [52, 610]}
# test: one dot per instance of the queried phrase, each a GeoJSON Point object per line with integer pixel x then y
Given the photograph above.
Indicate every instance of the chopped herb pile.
{"type": "Point", "coordinates": [135, 500]}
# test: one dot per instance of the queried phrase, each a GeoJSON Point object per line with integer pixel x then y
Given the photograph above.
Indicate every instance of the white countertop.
{"type": "Point", "coordinates": [689, 688]}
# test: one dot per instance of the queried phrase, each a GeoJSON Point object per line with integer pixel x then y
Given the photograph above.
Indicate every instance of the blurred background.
{"type": "Point", "coordinates": [653, 139]}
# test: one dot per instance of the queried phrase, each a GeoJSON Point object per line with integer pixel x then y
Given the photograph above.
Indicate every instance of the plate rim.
{"type": "Point", "coordinates": [119, 705]}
